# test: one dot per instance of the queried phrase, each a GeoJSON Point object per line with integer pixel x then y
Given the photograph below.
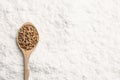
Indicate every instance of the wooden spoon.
{"type": "Point", "coordinates": [27, 40]}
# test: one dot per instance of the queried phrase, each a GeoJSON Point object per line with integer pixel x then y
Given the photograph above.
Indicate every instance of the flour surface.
{"type": "Point", "coordinates": [79, 39]}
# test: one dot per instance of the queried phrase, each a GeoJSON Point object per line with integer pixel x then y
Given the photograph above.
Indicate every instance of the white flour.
{"type": "Point", "coordinates": [79, 39]}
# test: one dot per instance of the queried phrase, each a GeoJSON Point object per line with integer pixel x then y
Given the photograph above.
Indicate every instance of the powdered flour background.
{"type": "Point", "coordinates": [79, 39]}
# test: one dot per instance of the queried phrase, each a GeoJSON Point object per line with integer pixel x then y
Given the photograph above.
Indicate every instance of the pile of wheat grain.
{"type": "Point", "coordinates": [27, 37]}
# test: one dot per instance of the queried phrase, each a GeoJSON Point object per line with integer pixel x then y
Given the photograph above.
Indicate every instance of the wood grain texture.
{"type": "Point", "coordinates": [26, 69]}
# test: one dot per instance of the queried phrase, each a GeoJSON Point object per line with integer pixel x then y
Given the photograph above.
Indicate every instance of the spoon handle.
{"type": "Point", "coordinates": [26, 69]}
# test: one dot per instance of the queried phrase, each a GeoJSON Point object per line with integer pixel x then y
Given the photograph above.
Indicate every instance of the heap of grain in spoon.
{"type": "Point", "coordinates": [27, 37]}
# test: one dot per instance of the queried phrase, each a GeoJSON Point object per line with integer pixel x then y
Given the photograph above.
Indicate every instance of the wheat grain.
{"type": "Point", "coordinates": [27, 37]}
